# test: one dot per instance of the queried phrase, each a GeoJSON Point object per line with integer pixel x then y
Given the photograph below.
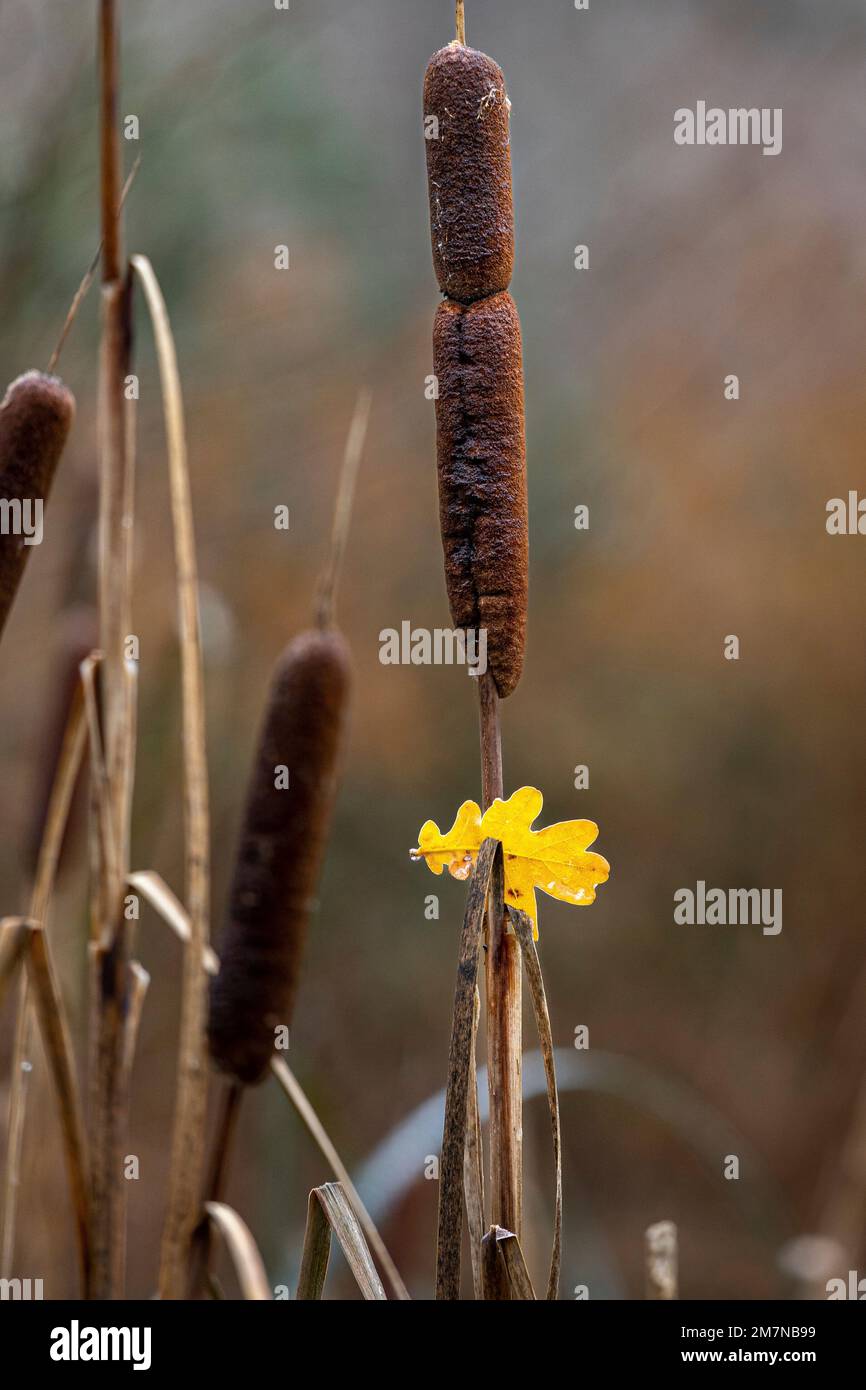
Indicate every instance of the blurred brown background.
{"type": "Point", "coordinates": [707, 517]}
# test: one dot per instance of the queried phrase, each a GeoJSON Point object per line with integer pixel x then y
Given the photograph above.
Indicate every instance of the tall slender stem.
{"type": "Point", "coordinates": [110, 947]}
{"type": "Point", "coordinates": [109, 141]}
{"type": "Point", "coordinates": [460, 20]}
{"type": "Point", "coordinates": [503, 980]}
{"type": "Point", "coordinates": [223, 1139]}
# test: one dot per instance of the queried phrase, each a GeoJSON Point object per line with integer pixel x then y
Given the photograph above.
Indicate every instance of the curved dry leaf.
{"type": "Point", "coordinates": [329, 1211]}
{"type": "Point", "coordinates": [244, 1252]}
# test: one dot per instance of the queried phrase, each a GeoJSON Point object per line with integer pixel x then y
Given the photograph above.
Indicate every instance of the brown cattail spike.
{"type": "Point", "coordinates": [466, 125]}
{"type": "Point", "coordinates": [35, 418]}
{"type": "Point", "coordinates": [482, 475]}
{"type": "Point", "coordinates": [280, 854]}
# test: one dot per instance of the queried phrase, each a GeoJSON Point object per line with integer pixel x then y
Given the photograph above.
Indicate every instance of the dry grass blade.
{"type": "Point", "coordinates": [450, 1219]}
{"type": "Point", "coordinates": [155, 891]}
{"type": "Point", "coordinates": [293, 1089]}
{"type": "Point", "coordinates": [14, 932]}
{"type": "Point", "coordinates": [661, 1261]}
{"type": "Point", "coordinates": [65, 777]}
{"type": "Point", "coordinates": [57, 1041]}
{"type": "Point", "coordinates": [329, 1210]}
{"type": "Point", "coordinates": [161, 898]}
{"type": "Point", "coordinates": [523, 930]}
{"type": "Point", "coordinates": [316, 1253]}
{"type": "Point", "coordinates": [139, 985]}
{"type": "Point", "coordinates": [88, 278]}
{"type": "Point", "coordinates": [109, 981]}
{"type": "Point", "coordinates": [473, 1160]}
{"type": "Point", "coordinates": [244, 1252]}
{"type": "Point", "coordinates": [494, 1276]}
{"type": "Point", "coordinates": [343, 510]}
{"type": "Point", "coordinates": [512, 1257]}
{"type": "Point", "coordinates": [114, 600]}
{"type": "Point", "coordinates": [188, 1139]}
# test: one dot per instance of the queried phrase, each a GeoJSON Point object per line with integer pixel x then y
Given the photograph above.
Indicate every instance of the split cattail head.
{"type": "Point", "coordinates": [467, 138]}
{"type": "Point", "coordinates": [481, 455]}
{"type": "Point", "coordinates": [280, 853]}
{"type": "Point", "coordinates": [35, 418]}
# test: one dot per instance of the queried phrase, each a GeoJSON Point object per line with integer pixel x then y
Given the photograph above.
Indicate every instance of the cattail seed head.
{"type": "Point", "coordinates": [482, 475]}
{"type": "Point", "coordinates": [35, 417]}
{"type": "Point", "coordinates": [469, 173]}
{"type": "Point", "coordinates": [280, 854]}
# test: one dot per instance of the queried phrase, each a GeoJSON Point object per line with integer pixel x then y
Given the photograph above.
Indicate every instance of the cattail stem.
{"type": "Point", "coordinates": [110, 960]}
{"type": "Point", "coordinates": [223, 1141]}
{"type": "Point", "coordinates": [503, 981]}
{"type": "Point", "coordinates": [109, 141]}
{"type": "Point", "coordinates": [460, 21]}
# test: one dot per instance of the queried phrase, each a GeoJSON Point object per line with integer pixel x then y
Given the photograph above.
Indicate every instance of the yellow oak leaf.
{"type": "Point", "coordinates": [458, 850]}
{"type": "Point", "coordinates": [554, 859]}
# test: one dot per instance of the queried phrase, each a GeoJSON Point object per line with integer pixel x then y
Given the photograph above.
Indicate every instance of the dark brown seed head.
{"type": "Point", "coordinates": [468, 173]}
{"type": "Point", "coordinates": [280, 854]}
{"type": "Point", "coordinates": [35, 418]}
{"type": "Point", "coordinates": [482, 475]}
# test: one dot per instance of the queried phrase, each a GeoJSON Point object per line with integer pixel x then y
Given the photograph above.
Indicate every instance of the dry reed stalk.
{"type": "Point", "coordinates": [482, 489]}
{"type": "Point", "coordinates": [110, 947]}
{"type": "Point", "coordinates": [22, 941]}
{"type": "Point", "coordinates": [460, 1066]}
{"type": "Point", "coordinates": [473, 1159]}
{"type": "Point", "coordinates": [187, 1154]}
{"type": "Point", "coordinates": [56, 818]}
{"type": "Point", "coordinates": [57, 1042]}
